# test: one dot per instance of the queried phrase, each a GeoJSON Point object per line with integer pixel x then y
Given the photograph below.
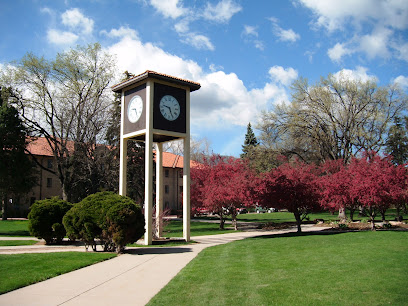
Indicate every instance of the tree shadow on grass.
{"type": "Point", "coordinates": [17, 233]}
{"type": "Point", "coordinates": [296, 234]}
{"type": "Point", "coordinates": [158, 250]}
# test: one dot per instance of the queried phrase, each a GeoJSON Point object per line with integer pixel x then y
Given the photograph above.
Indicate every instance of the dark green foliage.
{"type": "Point", "coordinates": [126, 223]}
{"type": "Point", "coordinates": [16, 169]}
{"type": "Point", "coordinates": [250, 142]}
{"type": "Point", "coordinates": [397, 142]}
{"type": "Point", "coordinates": [113, 219]}
{"type": "Point", "coordinates": [45, 219]}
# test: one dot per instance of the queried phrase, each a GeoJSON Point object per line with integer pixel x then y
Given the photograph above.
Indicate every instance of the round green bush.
{"type": "Point", "coordinates": [45, 219]}
{"type": "Point", "coordinates": [106, 216]}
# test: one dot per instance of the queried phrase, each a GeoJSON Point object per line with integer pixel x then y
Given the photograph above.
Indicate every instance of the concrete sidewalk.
{"type": "Point", "coordinates": [129, 279]}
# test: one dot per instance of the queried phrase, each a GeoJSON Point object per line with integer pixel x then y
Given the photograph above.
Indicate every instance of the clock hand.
{"type": "Point", "coordinates": [135, 110]}
{"type": "Point", "coordinates": [171, 113]}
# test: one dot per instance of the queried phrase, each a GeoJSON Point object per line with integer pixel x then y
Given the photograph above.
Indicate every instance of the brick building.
{"type": "Point", "coordinates": [49, 185]}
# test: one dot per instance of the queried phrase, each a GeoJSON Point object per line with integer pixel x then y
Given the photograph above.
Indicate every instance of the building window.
{"type": "Point", "coordinates": [166, 172]}
{"type": "Point", "coordinates": [166, 189]}
{"type": "Point", "coordinates": [181, 174]}
{"type": "Point", "coordinates": [49, 182]}
{"type": "Point", "coordinates": [181, 189]}
{"type": "Point", "coordinates": [49, 163]}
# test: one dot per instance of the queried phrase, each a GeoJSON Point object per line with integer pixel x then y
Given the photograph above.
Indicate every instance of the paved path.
{"type": "Point", "coordinates": [129, 279]}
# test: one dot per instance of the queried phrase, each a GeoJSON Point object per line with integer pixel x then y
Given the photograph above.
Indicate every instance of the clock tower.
{"type": "Point", "coordinates": [155, 108]}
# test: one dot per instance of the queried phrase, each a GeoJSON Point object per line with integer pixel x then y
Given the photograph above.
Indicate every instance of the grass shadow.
{"type": "Point", "coordinates": [158, 250]}
{"type": "Point", "coordinates": [17, 233]}
{"type": "Point", "coordinates": [302, 234]}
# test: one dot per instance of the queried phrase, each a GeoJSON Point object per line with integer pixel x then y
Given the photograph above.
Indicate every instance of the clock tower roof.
{"type": "Point", "coordinates": [155, 75]}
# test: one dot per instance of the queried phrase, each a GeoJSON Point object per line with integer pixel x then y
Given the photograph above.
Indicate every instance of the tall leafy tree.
{"type": "Point", "coordinates": [16, 169]}
{"type": "Point", "coordinates": [333, 119]}
{"type": "Point", "coordinates": [67, 101]}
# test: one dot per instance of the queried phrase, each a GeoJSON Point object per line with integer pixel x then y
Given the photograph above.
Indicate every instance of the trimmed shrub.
{"type": "Point", "coordinates": [113, 219]}
{"type": "Point", "coordinates": [45, 219]}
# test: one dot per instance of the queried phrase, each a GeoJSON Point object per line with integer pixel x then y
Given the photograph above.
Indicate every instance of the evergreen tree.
{"type": "Point", "coordinates": [16, 169]}
{"type": "Point", "coordinates": [250, 142]}
{"type": "Point", "coordinates": [397, 142]}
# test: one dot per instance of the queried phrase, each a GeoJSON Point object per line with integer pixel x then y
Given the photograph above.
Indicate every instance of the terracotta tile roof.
{"type": "Point", "coordinates": [171, 160]}
{"type": "Point", "coordinates": [40, 147]}
{"type": "Point", "coordinates": [148, 73]}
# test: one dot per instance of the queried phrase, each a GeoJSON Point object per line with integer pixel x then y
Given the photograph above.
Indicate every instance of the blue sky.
{"type": "Point", "coordinates": [245, 54]}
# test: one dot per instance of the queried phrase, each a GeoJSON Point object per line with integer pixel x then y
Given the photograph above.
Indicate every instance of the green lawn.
{"type": "Point", "coordinates": [356, 268]}
{"type": "Point", "coordinates": [14, 228]}
{"type": "Point", "coordinates": [39, 267]}
{"type": "Point", "coordinates": [17, 242]}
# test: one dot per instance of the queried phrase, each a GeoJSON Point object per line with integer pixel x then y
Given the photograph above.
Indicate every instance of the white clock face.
{"type": "Point", "coordinates": [135, 108]}
{"type": "Point", "coordinates": [169, 107]}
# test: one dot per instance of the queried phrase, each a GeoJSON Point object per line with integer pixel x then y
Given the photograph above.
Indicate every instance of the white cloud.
{"type": "Point", "coordinates": [402, 51]}
{"type": "Point", "coordinates": [183, 26]}
{"type": "Point", "coordinates": [283, 76]}
{"type": "Point", "coordinates": [222, 12]}
{"type": "Point", "coordinates": [169, 8]}
{"type": "Point", "coordinates": [334, 14]}
{"type": "Point", "coordinates": [198, 41]}
{"type": "Point", "coordinates": [338, 51]}
{"type": "Point", "coordinates": [250, 31]}
{"type": "Point", "coordinates": [57, 37]}
{"type": "Point", "coordinates": [376, 44]}
{"type": "Point", "coordinates": [287, 35]}
{"type": "Point", "coordinates": [360, 74]}
{"type": "Point", "coordinates": [375, 26]}
{"type": "Point", "coordinates": [259, 45]}
{"type": "Point", "coordinates": [47, 10]}
{"type": "Point", "coordinates": [223, 100]}
{"type": "Point", "coordinates": [401, 81]}
{"type": "Point", "coordinates": [283, 35]}
{"type": "Point", "coordinates": [75, 20]}
{"type": "Point", "coordinates": [121, 32]}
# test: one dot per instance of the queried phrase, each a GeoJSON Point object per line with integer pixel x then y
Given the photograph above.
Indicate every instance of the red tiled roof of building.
{"type": "Point", "coordinates": [171, 160]}
{"type": "Point", "coordinates": [40, 147]}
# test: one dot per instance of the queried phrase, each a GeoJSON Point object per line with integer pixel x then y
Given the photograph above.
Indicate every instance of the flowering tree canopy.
{"type": "Point", "coordinates": [377, 183]}
{"type": "Point", "coordinates": [222, 185]}
{"type": "Point", "coordinates": [291, 186]}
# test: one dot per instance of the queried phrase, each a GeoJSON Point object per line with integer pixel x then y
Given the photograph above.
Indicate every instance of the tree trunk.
{"type": "Point", "coordinates": [298, 221]}
{"type": "Point", "coordinates": [4, 208]}
{"type": "Point", "coordinates": [398, 212]}
{"type": "Point", "coordinates": [352, 214]}
{"type": "Point", "coordinates": [382, 215]}
{"type": "Point", "coordinates": [372, 225]}
{"type": "Point", "coordinates": [342, 214]}
{"type": "Point", "coordinates": [222, 221]}
{"type": "Point", "coordinates": [234, 220]}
